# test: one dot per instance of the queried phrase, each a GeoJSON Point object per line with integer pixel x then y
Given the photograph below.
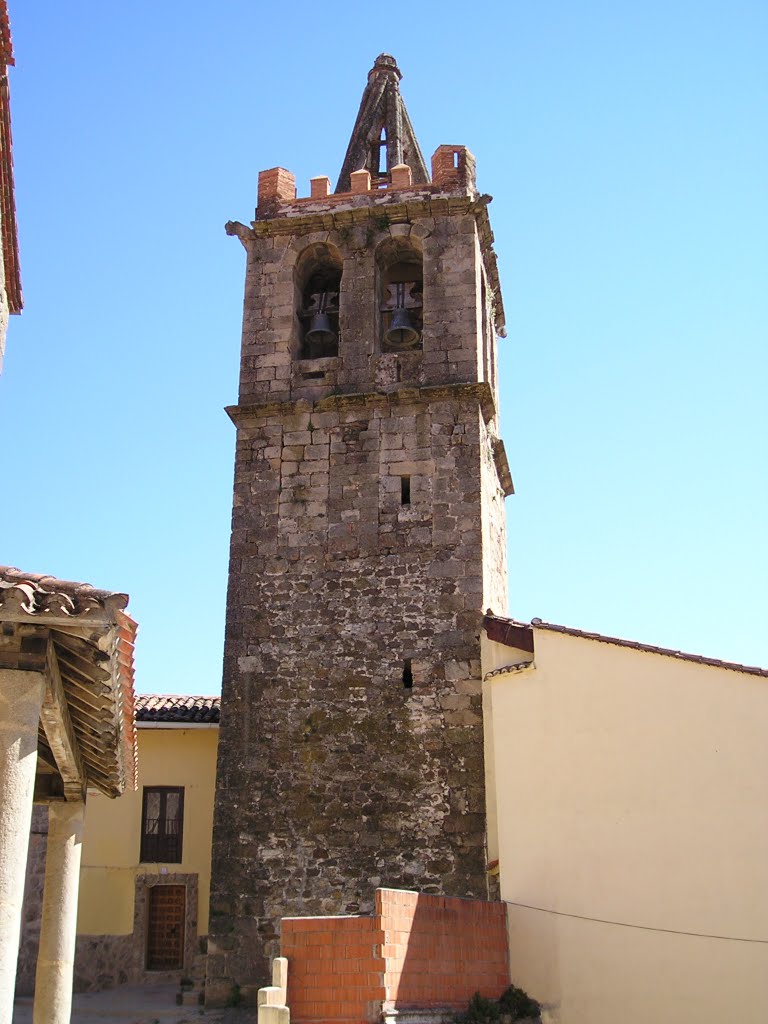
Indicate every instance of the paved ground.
{"type": "Point", "coordinates": [154, 1004]}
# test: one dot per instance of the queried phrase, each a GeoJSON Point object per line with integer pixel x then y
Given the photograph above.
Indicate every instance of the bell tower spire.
{"type": "Point", "coordinates": [383, 136]}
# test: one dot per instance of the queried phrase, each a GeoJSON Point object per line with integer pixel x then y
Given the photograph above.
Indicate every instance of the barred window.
{"type": "Point", "coordinates": [162, 824]}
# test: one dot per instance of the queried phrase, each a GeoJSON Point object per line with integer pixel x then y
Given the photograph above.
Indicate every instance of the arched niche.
{"type": "Point", "coordinates": [317, 285]}
{"type": "Point", "coordinates": [400, 295]}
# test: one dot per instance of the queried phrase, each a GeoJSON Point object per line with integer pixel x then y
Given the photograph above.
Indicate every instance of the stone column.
{"type": "Point", "coordinates": [58, 929]}
{"type": "Point", "coordinates": [21, 696]}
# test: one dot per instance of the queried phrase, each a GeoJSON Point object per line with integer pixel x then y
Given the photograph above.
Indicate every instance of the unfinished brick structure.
{"type": "Point", "coordinates": [367, 540]}
{"type": "Point", "coordinates": [414, 953]}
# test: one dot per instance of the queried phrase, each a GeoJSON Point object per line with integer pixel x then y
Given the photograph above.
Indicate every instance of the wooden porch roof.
{"type": "Point", "coordinates": [82, 639]}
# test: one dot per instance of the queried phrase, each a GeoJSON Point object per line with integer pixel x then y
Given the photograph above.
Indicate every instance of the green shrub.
{"type": "Point", "coordinates": [479, 1011]}
{"type": "Point", "coordinates": [518, 1004]}
{"type": "Point", "coordinates": [512, 1005]}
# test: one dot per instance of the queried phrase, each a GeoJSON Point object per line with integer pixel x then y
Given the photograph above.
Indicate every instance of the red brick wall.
{"type": "Point", "coordinates": [276, 185]}
{"type": "Point", "coordinates": [440, 950]}
{"type": "Point", "coordinates": [453, 165]}
{"type": "Point", "coordinates": [417, 951]}
{"type": "Point", "coordinates": [335, 968]}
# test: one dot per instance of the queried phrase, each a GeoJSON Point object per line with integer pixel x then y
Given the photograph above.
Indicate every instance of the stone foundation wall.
{"type": "Point", "coordinates": [105, 961]}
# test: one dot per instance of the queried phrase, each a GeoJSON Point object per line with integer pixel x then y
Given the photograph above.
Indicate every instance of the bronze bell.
{"type": "Point", "coordinates": [320, 332]}
{"type": "Point", "coordinates": [321, 339]}
{"type": "Point", "coordinates": [401, 332]}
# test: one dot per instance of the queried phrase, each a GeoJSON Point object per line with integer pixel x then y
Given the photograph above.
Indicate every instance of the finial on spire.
{"type": "Point", "coordinates": [385, 62]}
{"type": "Point", "coordinates": [383, 136]}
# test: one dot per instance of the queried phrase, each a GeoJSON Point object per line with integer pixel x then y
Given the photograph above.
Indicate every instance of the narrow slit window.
{"type": "Point", "coordinates": [405, 490]}
{"type": "Point", "coordinates": [407, 674]}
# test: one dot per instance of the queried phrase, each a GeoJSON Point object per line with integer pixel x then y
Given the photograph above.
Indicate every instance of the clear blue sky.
{"type": "Point", "coordinates": [625, 146]}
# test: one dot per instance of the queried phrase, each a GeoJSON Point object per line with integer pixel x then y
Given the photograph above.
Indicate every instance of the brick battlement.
{"type": "Point", "coordinates": [453, 169]}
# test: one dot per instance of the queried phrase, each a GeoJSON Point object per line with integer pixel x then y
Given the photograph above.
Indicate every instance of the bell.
{"type": "Point", "coordinates": [401, 332]}
{"type": "Point", "coordinates": [321, 337]}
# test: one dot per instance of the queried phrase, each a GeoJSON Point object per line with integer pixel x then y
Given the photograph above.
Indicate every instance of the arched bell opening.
{"type": "Point", "coordinates": [400, 296]}
{"type": "Point", "coordinates": [317, 286]}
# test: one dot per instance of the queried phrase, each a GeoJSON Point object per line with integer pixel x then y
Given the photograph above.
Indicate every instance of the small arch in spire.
{"type": "Point", "coordinates": [379, 167]}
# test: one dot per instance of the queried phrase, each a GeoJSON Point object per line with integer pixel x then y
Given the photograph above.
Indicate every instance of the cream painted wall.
{"type": "Point", "coordinates": [495, 657]}
{"type": "Point", "coordinates": [110, 861]}
{"type": "Point", "coordinates": [631, 787]}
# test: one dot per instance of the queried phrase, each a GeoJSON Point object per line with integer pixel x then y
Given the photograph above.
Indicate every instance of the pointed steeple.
{"type": "Point", "coordinates": [383, 135]}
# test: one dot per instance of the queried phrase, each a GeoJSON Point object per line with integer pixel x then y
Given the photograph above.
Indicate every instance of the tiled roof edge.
{"type": "Point", "coordinates": [496, 624]}
{"type": "Point", "coordinates": [8, 228]}
{"type": "Point", "coordinates": [34, 593]}
{"type": "Point", "coordinates": [6, 43]}
{"type": "Point", "coordinates": [177, 708]}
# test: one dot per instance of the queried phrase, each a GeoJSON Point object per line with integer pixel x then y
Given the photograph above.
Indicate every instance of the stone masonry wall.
{"type": "Point", "coordinates": [334, 778]}
{"type": "Point", "coordinates": [351, 745]}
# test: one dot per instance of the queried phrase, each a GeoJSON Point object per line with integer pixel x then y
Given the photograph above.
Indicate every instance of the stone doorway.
{"type": "Point", "coordinates": [165, 927]}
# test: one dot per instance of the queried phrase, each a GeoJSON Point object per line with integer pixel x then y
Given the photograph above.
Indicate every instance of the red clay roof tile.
{"type": "Point", "coordinates": [177, 708]}
{"type": "Point", "coordinates": [9, 236]}
{"type": "Point", "coordinates": [103, 653]}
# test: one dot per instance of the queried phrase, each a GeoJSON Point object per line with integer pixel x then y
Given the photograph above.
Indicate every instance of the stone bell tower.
{"type": "Point", "coordinates": [367, 540]}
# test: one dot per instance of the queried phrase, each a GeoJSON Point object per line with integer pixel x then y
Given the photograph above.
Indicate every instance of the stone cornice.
{"type": "Point", "coordinates": [479, 391]}
{"type": "Point", "coordinates": [405, 206]}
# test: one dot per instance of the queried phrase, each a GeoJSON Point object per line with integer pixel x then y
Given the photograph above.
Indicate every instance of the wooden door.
{"type": "Point", "coordinates": [165, 932]}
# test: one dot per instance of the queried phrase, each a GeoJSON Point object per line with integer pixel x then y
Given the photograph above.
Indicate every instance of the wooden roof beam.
{"type": "Point", "coordinates": [59, 731]}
